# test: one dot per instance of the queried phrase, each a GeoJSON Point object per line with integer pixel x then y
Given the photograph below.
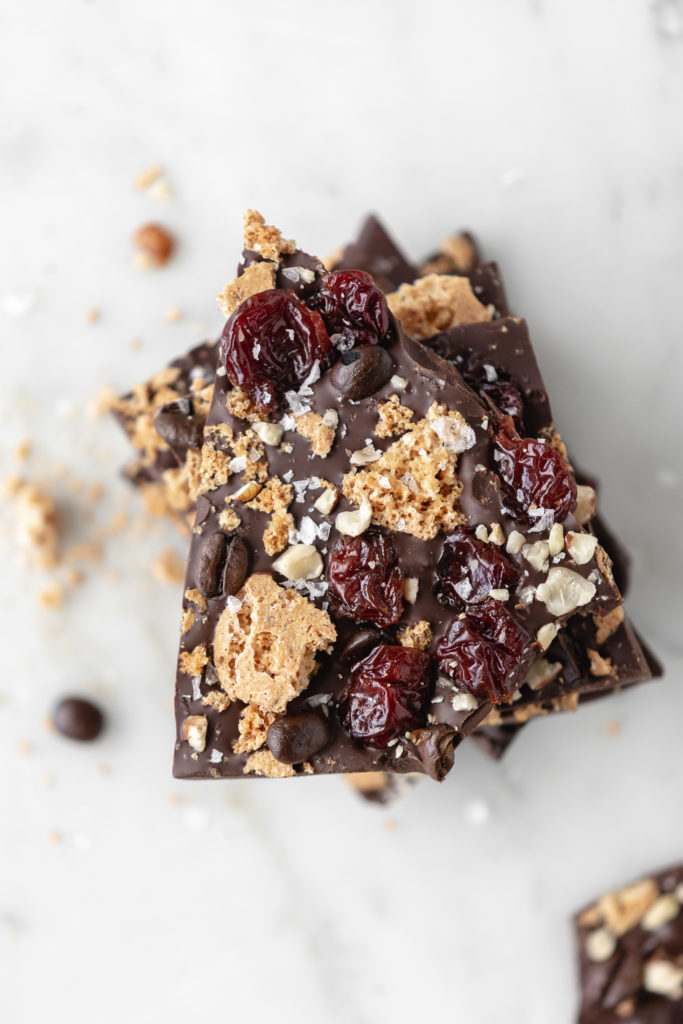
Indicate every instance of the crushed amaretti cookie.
{"type": "Point", "coordinates": [436, 303]}
{"type": "Point", "coordinates": [264, 651]}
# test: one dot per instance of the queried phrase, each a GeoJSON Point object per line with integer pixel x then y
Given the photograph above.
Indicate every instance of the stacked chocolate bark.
{"type": "Point", "coordinates": [390, 547]}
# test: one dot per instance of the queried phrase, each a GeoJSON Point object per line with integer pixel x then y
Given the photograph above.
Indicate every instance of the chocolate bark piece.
{"type": "Point", "coordinates": [427, 406]}
{"type": "Point", "coordinates": [375, 251]}
{"type": "Point", "coordinates": [165, 484]}
{"type": "Point", "coordinates": [630, 951]}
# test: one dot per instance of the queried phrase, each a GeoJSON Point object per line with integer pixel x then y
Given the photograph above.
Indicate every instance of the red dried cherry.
{"type": "Point", "coordinates": [270, 345]}
{"type": "Point", "coordinates": [366, 584]}
{"type": "Point", "coordinates": [487, 379]}
{"type": "Point", "coordinates": [535, 477]}
{"type": "Point", "coordinates": [486, 651]}
{"type": "Point", "coordinates": [354, 309]}
{"type": "Point", "coordinates": [386, 695]}
{"type": "Point", "coordinates": [469, 569]}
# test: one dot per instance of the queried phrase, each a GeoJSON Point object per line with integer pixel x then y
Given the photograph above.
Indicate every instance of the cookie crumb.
{"type": "Point", "coordinates": [265, 650]}
{"type": "Point", "coordinates": [169, 567]}
{"type": "Point", "coordinates": [265, 239]}
{"type": "Point", "coordinates": [436, 303]}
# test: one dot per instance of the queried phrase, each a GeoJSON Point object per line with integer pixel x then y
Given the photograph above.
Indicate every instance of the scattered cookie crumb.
{"type": "Point", "coordinates": [394, 418]}
{"type": "Point", "coordinates": [265, 239]}
{"type": "Point", "coordinates": [148, 177]}
{"type": "Point", "coordinates": [173, 315]}
{"type": "Point", "coordinates": [436, 303]}
{"type": "Point", "coordinates": [169, 567]}
{"type": "Point", "coordinates": [37, 531]}
{"type": "Point", "coordinates": [418, 635]}
{"type": "Point", "coordinates": [613, 728]}
{"type": "Point", "coordinates": [91, 316]}
{"type": "Point", "coordinates": [253, 726]}
{"type": "Point", "coordinates": [51, 596]}
{"type": "Point", "coordinates": [22, 450]}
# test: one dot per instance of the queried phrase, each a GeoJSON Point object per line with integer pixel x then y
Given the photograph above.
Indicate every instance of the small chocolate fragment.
{"type": "Point", "coordinates": [179, 428]}
{"type": "Point", "coordinates": [362, 371]}
{"type": "Point", "coordinates": [78, 719]}
{"type": "Point", "coordinates": [436, 749]}
{"type": "Point", "coordinates": [222, 565]}
{"type": "Point", "coordinates": [360, 644]}
{"type": "Point", "coordinates": [295, 738]}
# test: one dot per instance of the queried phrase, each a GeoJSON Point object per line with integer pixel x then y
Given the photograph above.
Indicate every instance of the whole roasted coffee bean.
{"type": "Point", "coordinates": [236, 565]}
{"type": "Point", "coordinates": [362, 371]}
{"type": "Point", "coordinates": [361, 643]}
{"type": "Point", "coordinates": [178, 428]}
{"type": "Point", "coordinates": [209, 564]}
{"type": "Point", "coordinates": [295, 738]}
{"type": "Point", "coordinates": [78, 719]}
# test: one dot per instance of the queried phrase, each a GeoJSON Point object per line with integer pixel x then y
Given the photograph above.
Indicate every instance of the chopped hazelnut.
{"type": "Point", "coordinates": [155, 243]}
{"type": "Point", "coordinates": [564, 591]}
{"type": "Point", "coordinates": [194, 732]}
{"type": "Point", "coordinates": [352, 524]}
{"type": "Point", "coordinates": [300, 562]}
{"type": "Point", "coordinates": [581, 547]}
{"type": "Point", "coordinates": [586, 504]}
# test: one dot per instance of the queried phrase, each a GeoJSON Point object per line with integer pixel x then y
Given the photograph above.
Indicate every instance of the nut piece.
{"type": "Point", "coordinates": [556, 539]}
{"type": "Point", "coordinates": [300, 562]}
{"type": "Point", "coordinates": [546, 635]}
{"type": "Point", "coordinates": [411, 586]}
{"type": "Point", "coordinates": [481, 533]}
{"type": "Point", "coordinates": [581, 547]}
{"type": "Point", "coordinates": [564, 591]}
{"type": "Point", "coordinates": [455, 434]}
{"type": "Point", "coordinates": [500, 594]}
{"type": "Point", "coordinates": [194, 731]}
{"type": "Point", "coordinates": [352, 524]}
{"type": "Point", "coordinates": [269, 433]}
{"type": "Point", "coordinates": [327, 500]}
{"type": "Point", "coordinates": [247, 492]}
{"type": "Point", "coordinates": [515, 542]}
{"type": "Point", "coordinates": [537, 554]}
{"type": "Point", "coordinates": [496, 535]}
{"type": "Point", "coordinates": [155, 243]}
{"type": "Point", "coordinates": [464, 702]}
{"type": "Point", "coordinates": [400, 383]}
{"type": "Point", "coordinates": [365, 456]}
{"type": "Point", "coordinates": [600, 945]}
{"type": "Point", "coordinates": [663, 978]}
{"type": "Point", "coordinates": [541, 673]}
{"type": "Point", "coordinates": [586, 504]}
{"type": "Point", "coordinates": [663, 910]}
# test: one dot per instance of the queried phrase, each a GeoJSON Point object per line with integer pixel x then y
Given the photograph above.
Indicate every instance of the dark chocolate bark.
{"type": "Point", "coordinates": [375, 251]}
{"type": "Point", "coordinates": [421, 382]}
{"type": "Point", "coordinates": [630, 949]}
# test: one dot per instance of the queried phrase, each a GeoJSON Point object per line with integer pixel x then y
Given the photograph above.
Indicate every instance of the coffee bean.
{"type": "Point", "coordinates": [209, 563]}
{"type": "Point", "coordinates": [361, 643]}
{"type": "Point", "coordinates": [78, 719]}
{"type": "Point", "coordinates": [295, 738]}
{"type": "Point", "coordinates": [435, 748]}
{"type": "Point", "coordinates": [236, 566]}
{"type": "Point", "coordinates": [362, 371]}
{"type": "Point", "coordinates": [222, 565]}
{"type": "Point", "coordinates": [178, 428]}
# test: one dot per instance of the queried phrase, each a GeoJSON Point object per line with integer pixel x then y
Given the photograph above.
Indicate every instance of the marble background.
{"type": "Point", "coordinates": [554, 131]}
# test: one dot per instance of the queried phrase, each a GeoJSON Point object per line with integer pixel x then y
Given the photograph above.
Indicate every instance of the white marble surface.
{"type": "Point", "coordinates": [553, 129]}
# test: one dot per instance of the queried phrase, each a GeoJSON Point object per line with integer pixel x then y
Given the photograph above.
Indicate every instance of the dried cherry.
{"type": "Point", "coordinates": [469, 569]}
{"type": "Point", "coordinates": [354, 309]}
{"type": "Point", "coordinates": [535, 477]}
{"type": "Point", "coordinates": [486, 650]}
{"type": "Point", "coordinates": [386, 695]}
{"type": "Point", "coordinates": [366, 584]}
{"type": "Point", "coordinates": [487, 379]}
{"type": "Point", "coordinates": [270, 345]}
